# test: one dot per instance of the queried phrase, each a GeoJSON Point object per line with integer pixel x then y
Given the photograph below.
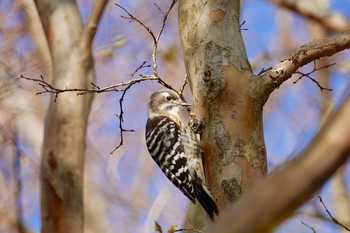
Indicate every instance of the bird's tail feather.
{"type": "Point", "coordinates": [205, 199]}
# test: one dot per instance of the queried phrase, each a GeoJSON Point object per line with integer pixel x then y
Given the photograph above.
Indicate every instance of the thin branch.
{"type": "Point", "coordinates": [131, 18]}
{"type": "Point", "coordinates": [90, 27]}
{"type": "Point", "coordinates": [160, 9]}
{"type": "Point", "coordinates": [189, 229]}
{"type": "Point", "coordinates": [149, 30]}
{"type": "Point", "coordinates": [241, 25]}
{"type": "Point", "coordinates": [312, 79]}
{"type": "Point", "coordinates": [155, 38]}
{"type": "Point", "coordinates": [48, 88]}
{"type": "Point", "coordinates": [93, 84]}
{"type": "Point", "coordinates": [311, 228]}
{"type": "Point", "coordinates": [37, 33]}
{"type": "Point", "coordinates": [264, 70]}
{"type": "Point", "coordinates": [331, 216]}
{"type": "Point", "coordinates": [183, 85]}
{"type": "Point", "coordinates": [328, 18]}
{"type": "Point", "coordinates": [89, 32]}
{"type": "Point", "coordinates": [182, 88]}
{"type": "Point", "coordinates": [155, 45]}
{"type": "Point", "coordinates": [304, 55]}
{"type": "Point", "coordinates": [121, 120]}
{"type": "Point", "coordinates": [154, 61]}
{"type": "Point", "coordinates": [143, 65]}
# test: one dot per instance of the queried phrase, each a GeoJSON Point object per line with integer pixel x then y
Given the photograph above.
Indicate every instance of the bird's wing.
{"type": "Point", "coordinates": [164, 140]}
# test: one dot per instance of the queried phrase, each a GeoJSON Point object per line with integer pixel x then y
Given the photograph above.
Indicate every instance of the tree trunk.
{"type": "Point", "coordinates": [276, 198]}
{"type": "Point", "coordinates": [66, 121]}
{"type": "Point", "coordinates": [226, 96]}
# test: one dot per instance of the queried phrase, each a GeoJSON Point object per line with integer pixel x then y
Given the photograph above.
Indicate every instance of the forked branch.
{"type": "Point", "coordinates": [331, 216]}
{"type": "Point", "coordinates": [304, 55]}
{"type": "Point", "coordinates": [89, 32]}
{"type": "Point", "coordinates": [308, 75]}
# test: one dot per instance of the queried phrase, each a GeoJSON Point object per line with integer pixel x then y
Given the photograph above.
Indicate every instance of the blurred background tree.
{"type": "Point", "coordinates": [125, 191]}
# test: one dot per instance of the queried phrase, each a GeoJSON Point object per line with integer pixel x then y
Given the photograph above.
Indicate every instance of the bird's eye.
{"type": "Point", "coordinates": [168, 98]}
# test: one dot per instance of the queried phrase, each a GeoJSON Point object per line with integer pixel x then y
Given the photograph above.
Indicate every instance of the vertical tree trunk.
{"type": "Point", "coordinates": [66, 121]}
{"type": "Point", "coordinates": [226, 95]}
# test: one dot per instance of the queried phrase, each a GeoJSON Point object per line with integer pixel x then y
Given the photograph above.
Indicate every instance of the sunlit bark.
{"type": "Point", "coordinates": [275, 199]}
{"type": "Point", "coordinates": [66, 121]}
{"type": "Point", "coordinates": [226, 95]}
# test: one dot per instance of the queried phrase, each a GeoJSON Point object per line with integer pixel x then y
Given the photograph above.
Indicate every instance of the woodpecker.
{"type": "Point", "coordinates": [175, 148]}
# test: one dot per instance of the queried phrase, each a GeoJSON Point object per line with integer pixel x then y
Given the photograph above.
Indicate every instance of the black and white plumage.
{"type": "Point", "coordinates": [175, 148]}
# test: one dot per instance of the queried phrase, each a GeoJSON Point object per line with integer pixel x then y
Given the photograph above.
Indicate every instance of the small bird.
{"type": "Point", "coordinates": [175, 148]}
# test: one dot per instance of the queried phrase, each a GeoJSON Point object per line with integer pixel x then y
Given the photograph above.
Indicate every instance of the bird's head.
{"type": "Point", "coordinates": [165, 102]}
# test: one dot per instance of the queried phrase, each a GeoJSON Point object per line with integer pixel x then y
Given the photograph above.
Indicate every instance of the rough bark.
{"type": "Point", "coordinates": [66, 121]}
{"type": "Point", "coordinates": [229, 98]}
{"type": "Point", "coordinates": [275, 199]}
{"type": "Point", "coordinates": [225, 95]}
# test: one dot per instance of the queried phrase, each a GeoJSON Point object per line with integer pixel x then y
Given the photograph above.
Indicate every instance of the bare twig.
{"type": "Point", "coordinates": [90, 27]}
{"type": "Point", "coordinates": [48, 88]}
{"type": "Point", "coordinates": [241, 25]}
{"type": "Point", "coordinates": [328, 18]}
{"type": "Point", "coordinates": [143, 65]}
{"type": "Point", "coordinates": [331, 216]}
{"type": "Point", "coordinates": [312, 79]}
{"type": "Point", "coordinates": [121, 120]}
{"type": "Point", "coordinates": [119, 87]}
{"type": "Point", "coordinates": [189, 229]}
{"type": "Point", "coordinates": [132, 18]}
{"type": "Point", "coordinates": [264, 70]}
{"type": "Point", "coordinates": [155, 45]}
{"type": "Point", "coordinates": [304, 55]}
{"type": "Point", "coordinates": [93, 84]}
{"type": "Point", "coordinates": [183, 86]}
{"type": "Point", "coordinates": [149, 30]}
{"type": "Point", "coordinates": [160, 9]}
{"type": "Point", "coordinates": [311, 228]}
{"type": "Point", "coordinates": [181, 93]}
{"type": "Point", "coordinates": [155, 75]}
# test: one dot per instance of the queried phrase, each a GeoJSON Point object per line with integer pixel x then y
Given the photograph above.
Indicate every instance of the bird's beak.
{"type": "Point", "coordinates": [182, 103]}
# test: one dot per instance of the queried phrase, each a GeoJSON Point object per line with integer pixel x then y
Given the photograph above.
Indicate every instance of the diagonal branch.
{"type": "Point", "coordinates": [155, 45]}
{"type": "Point", "coordinates": [155, 38]}
{"type": "Point", "coordinates": [90, 27]}
{"type": "Point", "coordinates": [88, 35]}
{"type": "Point", "coordinates": [274, 199]}
{"type": "Point", "coordinates": [311, 228]}
{"type": "Point", "coordinates": [131, 18]}
{"type": "Point", "coordinates": [86, 42]}
{"type": "Point", "coordinates": [331, 20]}
{"type": "Point", "coordinates": [304, 55]}
{"type": "Point", "coordinates": [308, 75]}
{"type": "Point", "coordinates": [331, 216]}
